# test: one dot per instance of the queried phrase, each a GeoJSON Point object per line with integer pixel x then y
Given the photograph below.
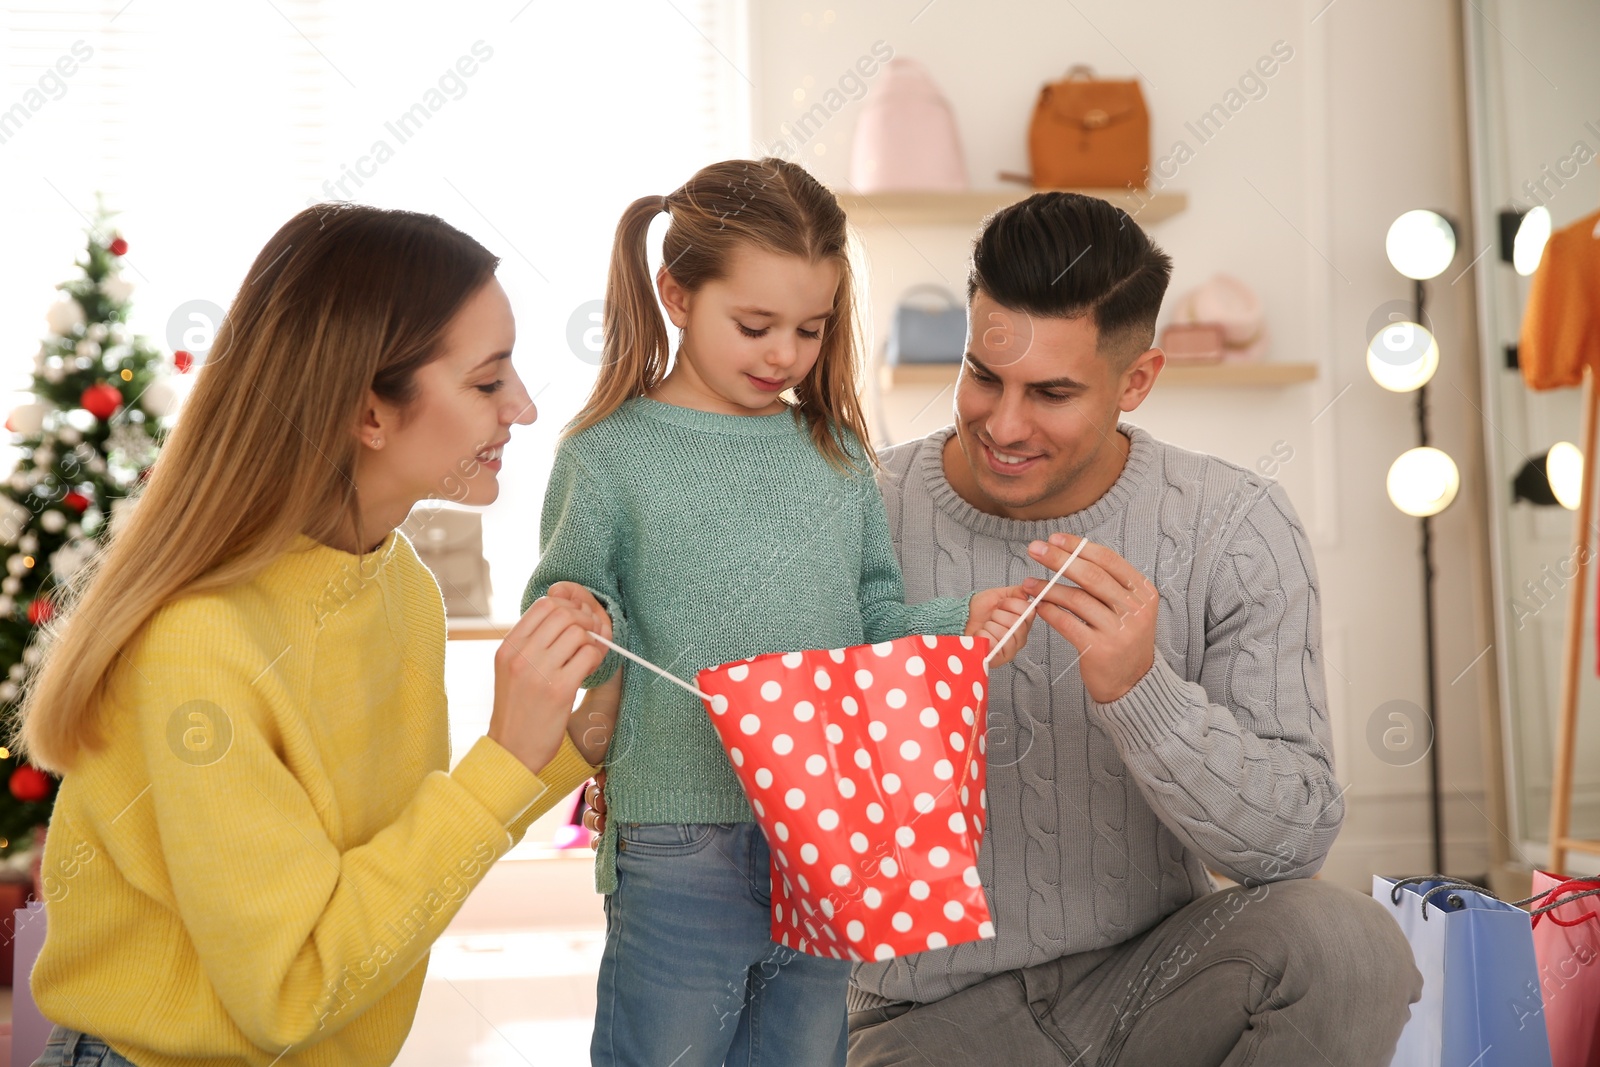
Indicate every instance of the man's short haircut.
{"type": "Point", "coordinates": [1065, 255]}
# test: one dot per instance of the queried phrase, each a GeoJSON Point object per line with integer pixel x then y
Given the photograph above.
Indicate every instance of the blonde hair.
{"type": "Point", "coordinates": [770, 204]}
{"type": "Point", "coordinates": [343, 299]}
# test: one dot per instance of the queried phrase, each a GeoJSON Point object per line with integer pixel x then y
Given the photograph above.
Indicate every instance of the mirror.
{"type": "Point", "coordinates": [1534, 123]}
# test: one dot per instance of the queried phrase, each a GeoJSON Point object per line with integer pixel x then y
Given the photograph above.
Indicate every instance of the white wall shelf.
{"type": "Point", "coordinates": [970, 207]}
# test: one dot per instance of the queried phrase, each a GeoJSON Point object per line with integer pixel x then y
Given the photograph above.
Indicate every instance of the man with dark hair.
{"type": "Point", "coordinates": [1171, 719]}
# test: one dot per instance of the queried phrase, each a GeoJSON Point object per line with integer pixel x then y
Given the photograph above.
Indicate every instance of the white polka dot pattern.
{"type": "Point", "coordinates": [881, 863]}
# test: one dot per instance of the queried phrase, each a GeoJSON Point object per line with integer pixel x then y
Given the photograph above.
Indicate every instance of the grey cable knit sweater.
{"type": "Point", "coordinates": [1103, 818]}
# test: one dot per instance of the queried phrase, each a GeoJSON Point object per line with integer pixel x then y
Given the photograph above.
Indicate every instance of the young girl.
{"type": "Point", "coordinates": [258, 836]}
{"type": "Point", "coordinates": [714, 519]}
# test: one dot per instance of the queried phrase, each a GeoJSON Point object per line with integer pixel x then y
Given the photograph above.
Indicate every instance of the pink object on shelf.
{"type": "Point", "coordinates": [1231, 304]}
{"type": "Point", "coordinates": [906, 138]}
{"type": "Point", "coordinates": [1192, 342]}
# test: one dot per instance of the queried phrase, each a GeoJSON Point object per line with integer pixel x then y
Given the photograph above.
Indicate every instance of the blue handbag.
{"type": "Point", "coordinates": [929, 326]}
{"type": "Point", "coordinates": [1481, 1002]}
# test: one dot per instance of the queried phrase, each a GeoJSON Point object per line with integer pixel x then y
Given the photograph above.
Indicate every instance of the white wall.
{"type": "Point", "coordinates": [1294, 196]}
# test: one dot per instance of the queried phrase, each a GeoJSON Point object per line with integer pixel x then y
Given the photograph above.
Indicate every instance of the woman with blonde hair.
{"type": "Point", "coordinates": [257, 837]}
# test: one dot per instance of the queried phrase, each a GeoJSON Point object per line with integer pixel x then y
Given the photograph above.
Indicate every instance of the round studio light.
{"type": "Point", "coordinates": [1564, 468]}
{"type": "Point", "coordinates": [1402, 356]}
{"type": "Point", "coordinates": [1528, 248]}
{"type": "Point", "coordinates": [1421, 244]}
{"type": "Point", "coordinates": [1423, 481]}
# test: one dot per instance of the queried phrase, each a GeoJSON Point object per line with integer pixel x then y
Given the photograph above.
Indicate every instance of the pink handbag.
{"type": "Point", "coordinates": [906, 137]}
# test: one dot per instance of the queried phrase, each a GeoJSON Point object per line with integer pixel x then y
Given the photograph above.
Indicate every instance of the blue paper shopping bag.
{"type": "Point", "coordinates": [1481, 1003]}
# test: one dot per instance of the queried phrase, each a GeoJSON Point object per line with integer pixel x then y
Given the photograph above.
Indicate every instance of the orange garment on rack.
{"type": "Point", "coordinates": [1561, 325]}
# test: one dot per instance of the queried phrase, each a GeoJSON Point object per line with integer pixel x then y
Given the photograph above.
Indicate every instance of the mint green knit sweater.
{"type": "Point", "coordinates": [710, 538]}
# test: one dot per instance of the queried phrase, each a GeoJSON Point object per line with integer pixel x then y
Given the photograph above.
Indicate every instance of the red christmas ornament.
{"type": "Point", "coordinates": [40, 611]}
{"type": "Point", "coordinates": [76, 501]}
{"type": "Point", "coordinates": [119, 247]}
{"type": "Point", "coordinates": [102, 400]}
{"type": "Point", "coordinates": [183, 361]}
{"type": "Point", "coordinates": [29, 784]}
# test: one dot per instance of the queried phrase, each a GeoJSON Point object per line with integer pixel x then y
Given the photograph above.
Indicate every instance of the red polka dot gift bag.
{"type": "Point", "coordinates": [865, 768]}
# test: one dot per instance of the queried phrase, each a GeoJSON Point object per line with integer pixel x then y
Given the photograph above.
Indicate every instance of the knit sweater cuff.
{"type": "Point", "coordinates": [957, 612]}
{"type": "Point", "coordinates": [499, 781]}
{"type": "Point", "coordinates": [619, 636]}
{"type": "Point", "coordinates": [1151, 711]}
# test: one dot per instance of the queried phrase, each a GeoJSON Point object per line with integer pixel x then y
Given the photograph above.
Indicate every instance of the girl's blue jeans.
{"type": "Point", "coordinates": [690, 976]}
{"type": "Point", "coordinates": [73, 1048]}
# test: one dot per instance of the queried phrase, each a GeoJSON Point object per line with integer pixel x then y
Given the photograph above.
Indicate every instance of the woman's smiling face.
{"type": "Point", "coordinates": [448, 441]}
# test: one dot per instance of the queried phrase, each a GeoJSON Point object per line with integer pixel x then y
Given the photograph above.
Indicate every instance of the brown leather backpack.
{"type": "Point", "coordinates": [1089, 133]}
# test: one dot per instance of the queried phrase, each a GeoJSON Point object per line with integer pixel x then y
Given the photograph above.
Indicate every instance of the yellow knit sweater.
{"type": "Point", "coordinates": [252, 869]}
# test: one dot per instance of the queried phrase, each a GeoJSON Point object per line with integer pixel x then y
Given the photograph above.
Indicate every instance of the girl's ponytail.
{"type": "Point", "coordinates": [635, 350]}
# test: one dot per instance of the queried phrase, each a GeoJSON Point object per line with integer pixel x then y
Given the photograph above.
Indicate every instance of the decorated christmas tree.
{"type": "Point", "coordinates": [85, 442]}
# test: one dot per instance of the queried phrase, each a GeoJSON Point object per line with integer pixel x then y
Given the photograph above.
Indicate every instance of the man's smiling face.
{"type": "Point", "coordinates": [1036, 410]}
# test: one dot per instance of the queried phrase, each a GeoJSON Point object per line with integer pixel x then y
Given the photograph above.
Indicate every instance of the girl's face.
{"type": "Point", "coordinates": [449, 443]}
{"type": "Point", "coordinates": [750, 335]}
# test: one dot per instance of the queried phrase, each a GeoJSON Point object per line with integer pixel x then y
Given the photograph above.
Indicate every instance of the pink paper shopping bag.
{"type": "Point", "coordinates": [1566, 942]}
{"type": "Point", "coordinates": [865, 768]}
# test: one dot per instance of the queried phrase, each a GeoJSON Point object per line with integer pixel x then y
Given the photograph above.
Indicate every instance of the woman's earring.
{"type": "Point", "coordinates": [377, 442]}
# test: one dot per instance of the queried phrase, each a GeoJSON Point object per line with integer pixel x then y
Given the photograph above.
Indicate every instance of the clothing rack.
{"type": "Point", "coordinates": [1572, 660]}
